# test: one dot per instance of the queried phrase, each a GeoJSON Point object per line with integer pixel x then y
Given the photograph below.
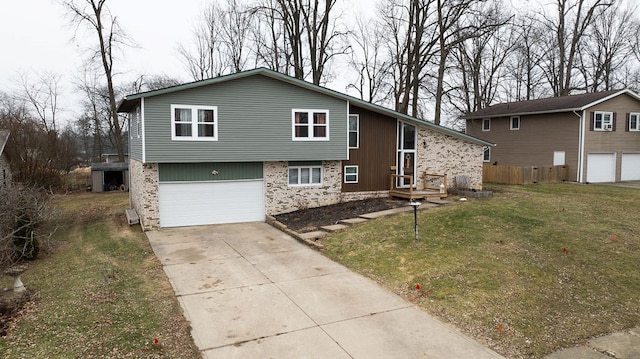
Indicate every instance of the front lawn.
{"type": "Point", "coordinates": [99, 292]}
{"type": "Point", "coordinates": [534, 269]}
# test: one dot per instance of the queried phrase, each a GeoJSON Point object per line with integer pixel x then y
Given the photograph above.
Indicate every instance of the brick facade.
{"type": "Point", "coordinates": [282, 198]}
{"type": "Point", "coordinates": [144, 192]}
{"type": "Point", "coordinates": [451, 156]}
{"type": "Point", "coordinates": [443, 155]}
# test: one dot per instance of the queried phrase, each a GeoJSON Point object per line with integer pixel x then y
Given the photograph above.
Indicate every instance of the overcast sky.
{"type": "Point", "coordinates": [35, 36]}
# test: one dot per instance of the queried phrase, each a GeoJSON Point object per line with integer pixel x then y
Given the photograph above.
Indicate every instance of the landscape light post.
{"type": "Point", "coordinates": [415, 205]}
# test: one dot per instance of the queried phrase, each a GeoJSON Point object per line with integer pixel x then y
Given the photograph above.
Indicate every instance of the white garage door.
{"type": "Point", "coordinates": [630, 170]}
{"type": "Point", "coordinates": [601, 167]}
{"type": "Point", "coordinates": [199, 203]}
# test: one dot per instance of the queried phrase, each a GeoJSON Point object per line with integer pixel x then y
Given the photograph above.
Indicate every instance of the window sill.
{"type": "Point", "coordinates": [195, 139]}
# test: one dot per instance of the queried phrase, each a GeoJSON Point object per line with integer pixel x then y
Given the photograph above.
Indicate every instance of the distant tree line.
{"type": "Point", "coordinates": [434, 59]}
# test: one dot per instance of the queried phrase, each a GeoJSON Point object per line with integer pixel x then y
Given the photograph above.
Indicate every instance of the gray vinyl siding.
{"type": "Point", "coordinates": [254, 123]}
{"type": "Point", "coordinates": [197, 172]}
{"type": "Point", "coordinates": [135, 141]}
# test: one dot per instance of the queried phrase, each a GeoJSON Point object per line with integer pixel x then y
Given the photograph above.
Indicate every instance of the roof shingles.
{"type": "Point", "coordinates": [546, 105]}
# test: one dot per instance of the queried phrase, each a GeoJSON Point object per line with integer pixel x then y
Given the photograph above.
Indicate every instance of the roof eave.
{"type": "Point", "coordinates": [127, 102]}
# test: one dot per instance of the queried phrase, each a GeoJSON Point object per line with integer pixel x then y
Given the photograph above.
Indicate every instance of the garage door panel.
{"type": "Point", "coordinates": [187, 204]}
{"type": "Point", "coordinates": [630, 170]}
{"type": "Point", "coordinates": [601, 167]}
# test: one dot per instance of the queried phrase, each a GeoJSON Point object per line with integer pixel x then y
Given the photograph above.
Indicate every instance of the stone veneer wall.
{"type": "Point", "coordinates": [144, 192]}
{"type": "Point", "coordinates": [282, 198]}
{"type": "Point", "coordinates": [451, 156]}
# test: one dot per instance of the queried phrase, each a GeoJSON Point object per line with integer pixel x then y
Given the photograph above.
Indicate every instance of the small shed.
{"type": "Point", "coordinates": [109, 177]}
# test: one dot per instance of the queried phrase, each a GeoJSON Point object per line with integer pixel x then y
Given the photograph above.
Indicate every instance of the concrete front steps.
{"type": "Point", "coordinates": [312, 238]}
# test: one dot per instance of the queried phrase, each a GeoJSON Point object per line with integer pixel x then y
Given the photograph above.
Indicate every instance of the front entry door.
{"type": "Point", "coordinates": [406, 164]}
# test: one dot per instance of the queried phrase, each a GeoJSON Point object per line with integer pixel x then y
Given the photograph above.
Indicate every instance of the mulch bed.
{"type": "Point", "coordinates": [311, 219]}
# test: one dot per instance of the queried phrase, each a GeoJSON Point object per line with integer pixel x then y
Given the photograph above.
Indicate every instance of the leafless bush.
{"type": "Point", "coordinates": [25, 223]}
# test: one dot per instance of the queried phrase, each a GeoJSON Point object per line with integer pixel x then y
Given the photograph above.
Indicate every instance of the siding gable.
{"type": "Point", "coordinates": [255, 123]}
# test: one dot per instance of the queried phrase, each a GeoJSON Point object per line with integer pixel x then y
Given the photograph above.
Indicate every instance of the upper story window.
{"type": "Point", "coordinates": [194, 123]}
{"type": "Point", "coordinates": [310, 125]}
{"type": "Point", "coordinates": [354, 131]}
{"type": "Point", "coordinates": [603, 121]}
{"type": "Point", "coordinates": [486, 154]}
{"type": "Point", "coordinates": [634, 122]}
{"type": "Point", "coordinates": [486, 124]}
{"type": "Point", "coordinates": [515, 123]}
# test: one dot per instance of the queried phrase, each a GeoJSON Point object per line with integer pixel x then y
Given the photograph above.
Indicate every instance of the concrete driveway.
{"type": "Point", "coordinates": [251, 291]}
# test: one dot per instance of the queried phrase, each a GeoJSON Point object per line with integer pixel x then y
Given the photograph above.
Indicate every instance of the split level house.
{"type": "Point", "coordinates": [5, 170]}
{"type": "Point", "coordinates": [596, 135]}
{"type": "Point", "coordinates": [240, 147]}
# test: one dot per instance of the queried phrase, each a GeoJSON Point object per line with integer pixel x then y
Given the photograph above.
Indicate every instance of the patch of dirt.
{"type": "Point", "coordinates": [12, 305]}
{"type": "Point", "coordinates": [307, 220]}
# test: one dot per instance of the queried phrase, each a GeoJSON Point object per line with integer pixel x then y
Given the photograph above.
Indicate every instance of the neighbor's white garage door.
{"type": "Point", "coordinates": [601, 167]}
{"type": "Point", "coordinates": [199, 203]}
{"type": "Point", "coordinates": [630, 168]}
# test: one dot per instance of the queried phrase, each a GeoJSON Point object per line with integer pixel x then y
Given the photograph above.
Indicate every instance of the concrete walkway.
{"type": "Point", "coordinates": [624, 345]}
{"type": "Point", "coordinates": [252, 291]}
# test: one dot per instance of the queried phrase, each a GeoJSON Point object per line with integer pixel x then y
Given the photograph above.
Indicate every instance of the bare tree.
{"type": "Point", "coordinates": [567, 29]}
{"type": "Point", "coordinates": [95, 15]}
{"type": "Point", "coordinates": [151, 83]}
{"type": "Point", "coordinates": [479, 64]}
{"type": "Point", "coordinates": [459, 21]}
{"type": "Point", "coordinates": [269, 38]}
{"type": "Point", "coordinates": [42, 94]}
{"type": "Point", "coordinates": [611, 36]}
{"type": "Point", "coordinates": [409, 27]}
{"type": "Point", "coordinates": [301, 37]}
{"type": "Point", "coordinates": [368, 60]}
{"type": "Point", "coordinates": [524, 65]}
{"type": "Point", "coordinates": [38, 156]}
{"type": "Point", "coordinates": [220, 40]}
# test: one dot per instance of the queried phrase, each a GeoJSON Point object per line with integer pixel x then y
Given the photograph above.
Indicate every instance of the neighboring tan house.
{"type": "Point", "coordinates": [239, 147]}
{"type": "Point", "coordinates": [596, 135]}
{"type": "Point", "coordinates": [5, 171]}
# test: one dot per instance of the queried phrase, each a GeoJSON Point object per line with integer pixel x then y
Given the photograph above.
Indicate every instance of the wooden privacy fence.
{"type": "Point", "coordinates": [523, 174]}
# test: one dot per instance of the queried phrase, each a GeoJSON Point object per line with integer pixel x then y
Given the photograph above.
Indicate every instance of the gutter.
{"type": "Point", "coordinates": [581, 134]}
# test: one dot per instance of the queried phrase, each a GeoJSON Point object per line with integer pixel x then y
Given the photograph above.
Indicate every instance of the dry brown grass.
{"type": "Point", "coordinates": [498, 269]}
{"type": "Point", "coordinates": [102, 293]}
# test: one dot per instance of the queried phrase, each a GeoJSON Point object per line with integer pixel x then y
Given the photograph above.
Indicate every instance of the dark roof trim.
{"type": "Point", "coordinates": [131, 101]}
{"type": "Point", "coordinates": [549, 105]}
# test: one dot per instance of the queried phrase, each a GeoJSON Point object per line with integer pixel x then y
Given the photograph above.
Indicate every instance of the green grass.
{"type": "Point", "coordinates": [500, 262]}
{"type": "Point", "coordinates": [101, 291]}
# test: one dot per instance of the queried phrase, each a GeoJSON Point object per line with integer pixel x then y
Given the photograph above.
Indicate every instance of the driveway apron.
{"type": "Point", "coordinates": [251, 291]}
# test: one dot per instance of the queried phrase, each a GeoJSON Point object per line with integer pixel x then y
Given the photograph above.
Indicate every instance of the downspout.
{"type": "Point", "coordinates": [144, 152]}
{"type": "Point", "coordinates": [348, 113]}
{"type": "Point", "coordinates": [581, 134]}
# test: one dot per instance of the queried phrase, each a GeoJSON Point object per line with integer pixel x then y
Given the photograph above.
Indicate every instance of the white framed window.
{"type": "Point", "coordinates": [486, 124]}
{"type": "Point", "coordinates": [194, 123]}
{"type": "Point", "coordinates": [486, 154]}
{"type": "Point", "coordinates": [515, 123]}
{"type": "Point", "coordinates": [350, 174]}
{"type": "Point", "coordinates": [634, 121]}
{"type": "Point", "coordinates": [310, 125]}
{"type": "Point", "coordinates": [603, 121]}
{"type": "Point", "coordinates": [354, 131]}
{"type": "Point", "coordinates": [305, 175]}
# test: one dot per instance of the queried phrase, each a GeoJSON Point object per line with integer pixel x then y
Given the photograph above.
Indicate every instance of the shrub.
{"type": "Point", "coordinates": [25, 216]}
